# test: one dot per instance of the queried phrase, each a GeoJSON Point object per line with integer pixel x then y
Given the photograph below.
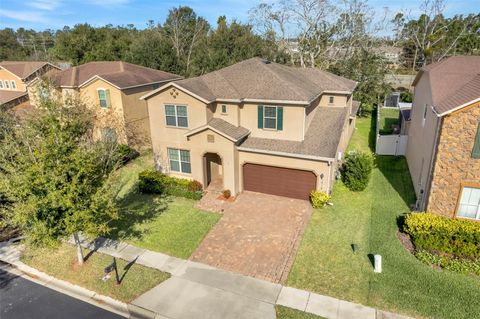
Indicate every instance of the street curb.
{"type": "Point", "coordinates": [72, 290]}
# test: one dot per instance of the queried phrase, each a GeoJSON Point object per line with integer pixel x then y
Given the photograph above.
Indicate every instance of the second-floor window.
{"type": "Point", "coordinates": [1, 84]}
{"type": "Point", "coordinates": [331, 99]}
{"type": "Point", "coordinates": [14, 85]}
{"type": "Point", "coordinates": [176, 115]}
{"type": "Point", "coordinates": [103, 98]}
{"type": "Point", "coordinates": [224, 109]}
{"type": "Point", "coordinates": [476, 144]}
{"type": "Point", "coordinates": [7, 86]}
{"type": "Point", "coordinates": [270, 117]}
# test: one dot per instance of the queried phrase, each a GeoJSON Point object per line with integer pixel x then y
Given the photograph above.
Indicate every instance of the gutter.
{"type": "Point", "coordinates": [432, 164]}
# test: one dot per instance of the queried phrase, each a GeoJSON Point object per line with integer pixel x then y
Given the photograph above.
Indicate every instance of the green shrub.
{"type": "Point", "coordinates": [151, 182]}
{"type": "Point", "coordinates": [126, 153]}
{"type": "Point", "coordinates": [464, 266]}
{"type": "Point", "coordinates": [195, 186]}
{"type": "Point", "coordinates": [319, 199]}
{"type": "Point", "coordinates": [357, 169]}
{"type": "Point", "coordinates": [460, 238]}
{"type": "Point", "coordinates": [154, 182]}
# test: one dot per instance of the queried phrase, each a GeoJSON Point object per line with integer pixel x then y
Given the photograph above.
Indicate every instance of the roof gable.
{"type": "Point", "coordinates": [259, 80]}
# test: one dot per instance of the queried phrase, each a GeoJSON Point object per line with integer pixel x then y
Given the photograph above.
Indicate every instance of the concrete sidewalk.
{"type": "Point", "coordinates": [197, 290]}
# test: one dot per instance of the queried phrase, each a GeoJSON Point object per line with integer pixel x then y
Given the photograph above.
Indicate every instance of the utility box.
{"type": "Point", "coordinates": [378, 263]}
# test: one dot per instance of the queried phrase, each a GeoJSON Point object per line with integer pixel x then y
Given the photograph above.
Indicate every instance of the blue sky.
{"type": "Point", "coordinates": [54, 14]}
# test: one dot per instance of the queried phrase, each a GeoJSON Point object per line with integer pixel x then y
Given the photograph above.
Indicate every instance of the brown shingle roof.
{"type": "Point", "coordinates": [321, 139]}
{"type": "Point", "coordinates": [8, 96]}
{"type": "Point", "coordinates": [453, 81]}
{"type": "Point", "coordinates": [355, 107]}
{"type": "Point", "coordinates": [258, 79]}
{"type": "Point", "coordinates": [22, 69]}
{"type": "Point", "coordinates": [118, 73]}
{"type": "Point", "coordinates": [227, 129]}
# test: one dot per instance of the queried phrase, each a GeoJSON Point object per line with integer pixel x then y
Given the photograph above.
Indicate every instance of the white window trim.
{"type": "Point", "coordinates": [269, 117]}
{"type": "Point", "coordinates": [1, 84]}
{"type": "Point", "coordinates": [6, 84]}
{"type": "Point", "coordinates": [178, 150]}
{"type": "Point", "coordinates": [477, 217]}
{"type": "Point", "coordinates": [13, 84]}
{"type": "Point", "coordinates": [99, 100]}
{"type": "Point", "coordinates": [176, 115]}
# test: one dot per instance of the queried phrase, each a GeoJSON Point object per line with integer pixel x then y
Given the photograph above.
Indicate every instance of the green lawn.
{"type": "Point", "coordinates": [170, 225]}
{"type": "Point", "coordinates": [289, 313]}
{"type": "Point", "coordinates": [61, 263]}
{"type": "Point", "coordinates": [325, 262]}
{"type": "Point", "coordinates": [388, 117]}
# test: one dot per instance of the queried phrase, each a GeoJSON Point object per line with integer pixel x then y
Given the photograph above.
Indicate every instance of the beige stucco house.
{"type": "Point", "coordinates": [255, 125]}
{"type": "Point", "coordinates": [113, 90]}
{"type": "Point", "coordinates": [14, 78]}
{"type": "Point", "coordinates": [443, 151]}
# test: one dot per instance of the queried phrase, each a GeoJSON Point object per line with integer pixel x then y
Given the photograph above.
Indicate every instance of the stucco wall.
{"type": "Point", "coordinates": [454, 164]}
{"type": "Point", "coordinates": [338, 100]}
{"type": "Point", "coordinates": [105, 117]}
{"type": "Point", "coordinates": [7, 76]}
{"type": "Point", "coordinates": [293, 122]}
{"type": "Point", "coordinates": [421, 139]}
{"type": "Point", "coordinates": [232, 115]}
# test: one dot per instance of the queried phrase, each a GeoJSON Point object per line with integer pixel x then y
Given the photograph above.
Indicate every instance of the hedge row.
{"type": "Point", "coordinates": [460, 238]}
{"type": "Point", "coordinates": [153, 182]}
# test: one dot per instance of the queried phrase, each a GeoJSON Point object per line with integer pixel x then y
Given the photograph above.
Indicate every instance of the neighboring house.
{"type": "Point", "coordinates": [444, 138]}
{"type": "Point", "coordinates": [113, 90]}
{"type": "Point", "coordinates": [255, 125]}
{"type": "Point", "coordinates": [14, 77]}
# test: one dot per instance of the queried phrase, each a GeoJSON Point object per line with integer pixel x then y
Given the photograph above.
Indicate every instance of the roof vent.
{"type": "Point", "coordinates": [266, 62]}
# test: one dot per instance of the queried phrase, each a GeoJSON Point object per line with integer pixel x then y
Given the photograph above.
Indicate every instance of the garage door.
{"type": "Point", "coordinates": [278, 181]}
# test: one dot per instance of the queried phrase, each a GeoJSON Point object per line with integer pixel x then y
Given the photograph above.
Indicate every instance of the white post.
{"type": "Point", "coordinates": [378, 263]}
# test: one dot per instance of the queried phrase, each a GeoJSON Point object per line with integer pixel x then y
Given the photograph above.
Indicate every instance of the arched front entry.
{"type": "Point", "coordinates": [213, 170]}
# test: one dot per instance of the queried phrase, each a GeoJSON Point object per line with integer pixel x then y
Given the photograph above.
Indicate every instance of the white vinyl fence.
{"type": "Point", "coordinates": [394, 144]}
{"type": "Point", "coordinates": [391, 144]}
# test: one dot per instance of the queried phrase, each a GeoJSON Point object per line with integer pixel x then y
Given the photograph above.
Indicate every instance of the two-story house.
{"type": "Point", "coordinates": [14, 77]}
{"type": "Point", "coordinates": [255, 125]}
{"type": "Point", "coordinates": [112, 89]}
{"type": "Point", "coordinates": [443, 151]}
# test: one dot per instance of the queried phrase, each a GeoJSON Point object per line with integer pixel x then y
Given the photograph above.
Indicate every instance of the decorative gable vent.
{"type": "Point", "coordinates": [210, 138]}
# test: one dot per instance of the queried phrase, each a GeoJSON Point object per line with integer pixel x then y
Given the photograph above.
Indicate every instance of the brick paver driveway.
{"type": "Point", "coordinates": [258, 236]}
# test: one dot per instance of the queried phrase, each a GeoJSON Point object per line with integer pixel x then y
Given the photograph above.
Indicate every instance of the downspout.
{"type": "Point", "coordinates": [432, 162]}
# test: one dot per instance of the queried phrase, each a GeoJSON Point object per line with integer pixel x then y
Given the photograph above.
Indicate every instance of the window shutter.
{"type": "Point", "coordinates": [260, 116]}
{"type": "Point", "coordinates": [476, 145]}
{"type": "Point", "coordinates": [107, 97]}
{"type": "Point", "coordinates": [279, 118]}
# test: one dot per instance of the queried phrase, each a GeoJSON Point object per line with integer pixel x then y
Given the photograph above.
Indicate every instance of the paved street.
{"type": "Point", "coordinates": [23, 299]}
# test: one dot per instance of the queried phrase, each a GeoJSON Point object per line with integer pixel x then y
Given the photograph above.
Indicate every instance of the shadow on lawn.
{"type": "Point", "coordinates": [137, 208]}
{"type": "Point", "coordinates": [395, 170]}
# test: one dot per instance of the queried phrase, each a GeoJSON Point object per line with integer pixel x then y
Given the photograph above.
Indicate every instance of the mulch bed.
{"type": "Point", "coordinates": [406, 241]}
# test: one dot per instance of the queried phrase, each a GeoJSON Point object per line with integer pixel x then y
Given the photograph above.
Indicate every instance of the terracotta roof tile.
{"type": "Point", "coordinates": [22, 69]}
{"type": "Point", "coordinates": [8, 96]}
{"type": "Point", "coordinates": [119, 73]}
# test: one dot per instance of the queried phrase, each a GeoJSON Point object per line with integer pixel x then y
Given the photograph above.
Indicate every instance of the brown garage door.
{"type": "Point", "coordinates": [278, 181]}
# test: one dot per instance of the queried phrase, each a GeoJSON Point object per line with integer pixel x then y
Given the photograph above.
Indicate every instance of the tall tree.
{"type": "Point", "coordinates": [55, 174]}
{"type": "Point", "coordinates": [185, 31]}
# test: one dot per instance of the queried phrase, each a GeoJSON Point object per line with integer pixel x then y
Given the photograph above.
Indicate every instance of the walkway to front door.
{"type": "Point", "coordinates": [258, 236]}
